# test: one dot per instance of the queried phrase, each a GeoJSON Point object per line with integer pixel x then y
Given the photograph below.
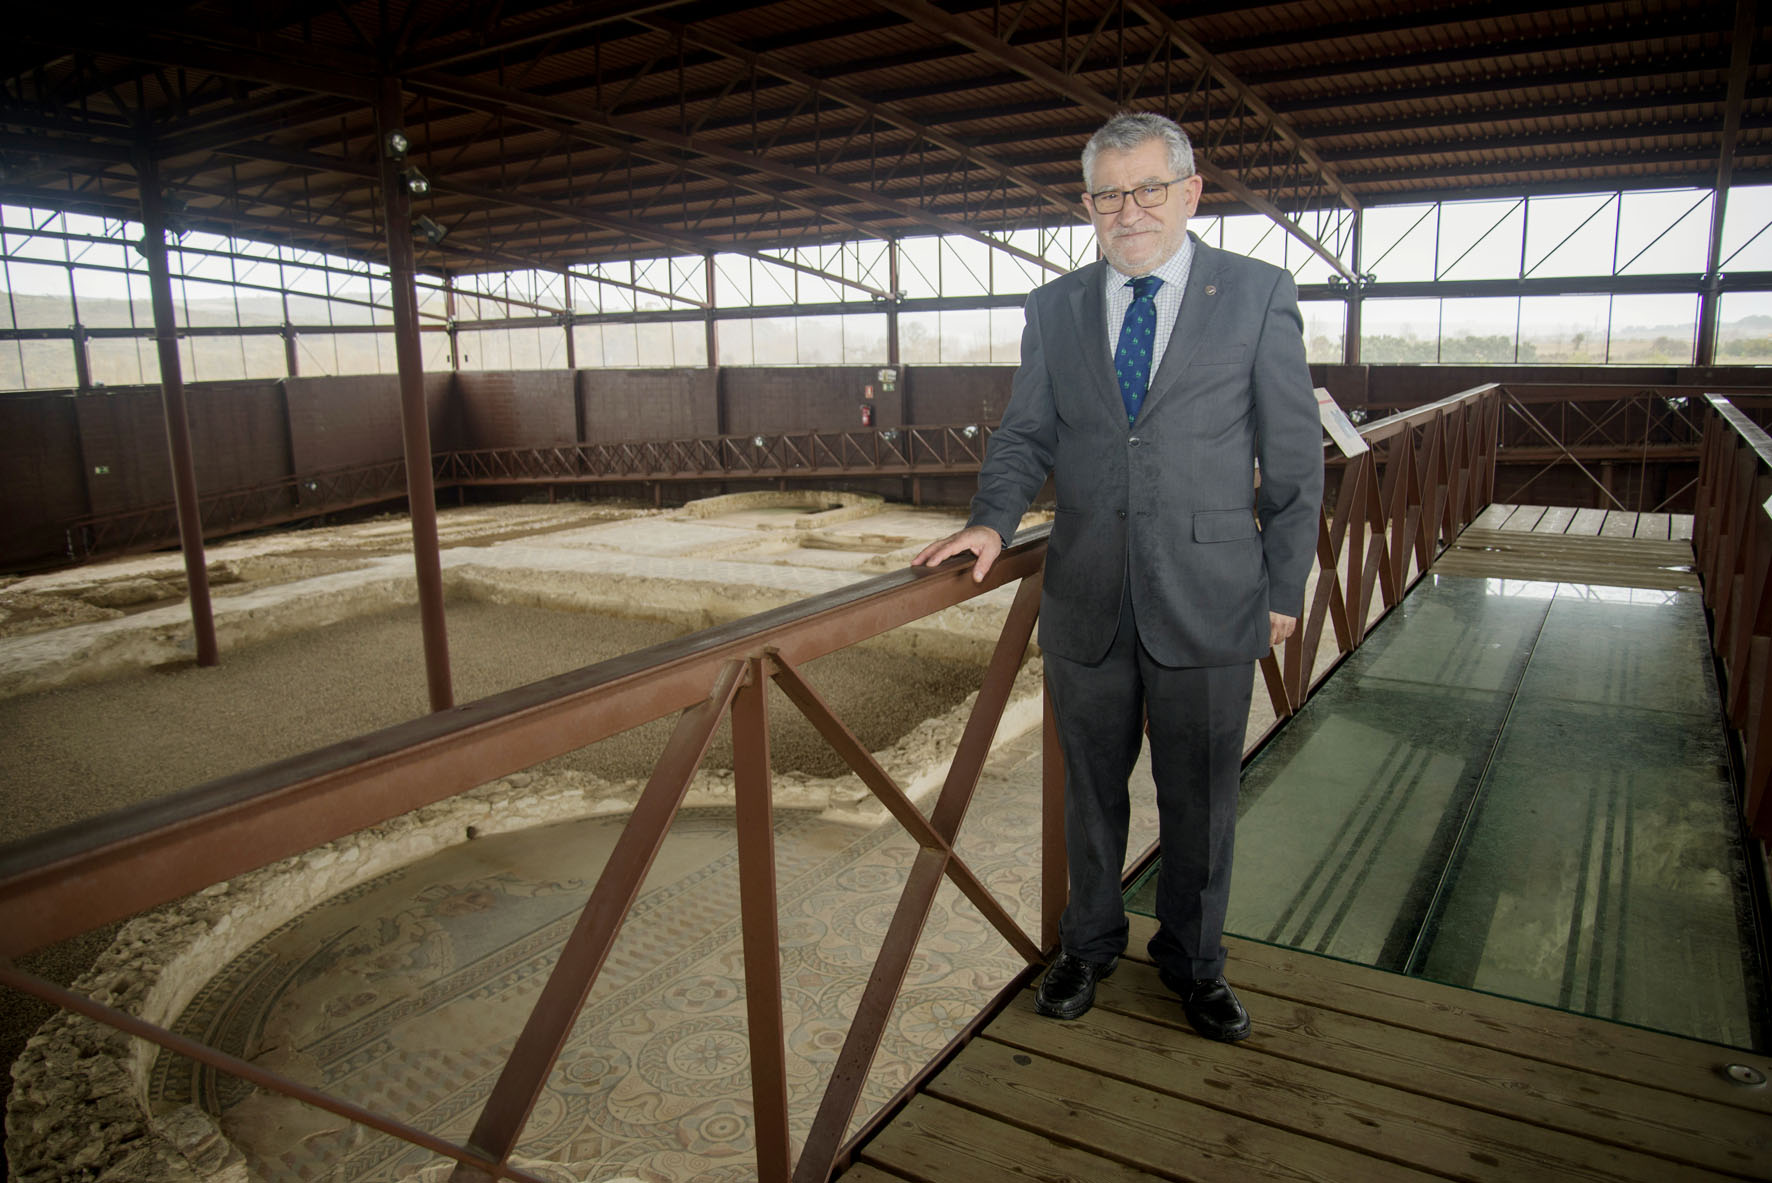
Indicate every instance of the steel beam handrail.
{"type": "Point", "coordinates": [1398, 502]}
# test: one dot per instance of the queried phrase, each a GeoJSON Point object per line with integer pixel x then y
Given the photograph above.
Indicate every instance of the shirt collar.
{"type": "Point", "coordinates": [1173, 271]}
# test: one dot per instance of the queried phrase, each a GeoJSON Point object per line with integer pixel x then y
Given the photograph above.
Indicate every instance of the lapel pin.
{"type": "Point", "coordinates": [1212, 289]}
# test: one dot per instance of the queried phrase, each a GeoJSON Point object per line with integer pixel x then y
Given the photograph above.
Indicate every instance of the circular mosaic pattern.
{"type": "Point", "coordinates": [696, 1057]}
{"type": "Point", "coordinates": [871, 877]}
{"type": "Point", "coordinates": [797, 931]}
{"type": "Point", "coordinates": [866, 915]}
{"type": "Point", "coordinates": [590, 1072]}
{"type": "Point", "coordinates": [717, 1129]}
{"type": "Point", "coordinates": [931, 1023]}
{"type": "Point", "coordinates": [819, 1039]}
{"type": "Point", "coordinates": [700, 995]}
{"type": "Point", "coordinates": [928, 965]}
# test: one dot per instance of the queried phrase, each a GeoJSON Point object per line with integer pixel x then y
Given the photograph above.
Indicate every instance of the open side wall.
{"type": "Point", "coordinates": [65, 455]}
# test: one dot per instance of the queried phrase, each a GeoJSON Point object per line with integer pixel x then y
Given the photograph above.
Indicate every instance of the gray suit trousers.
{"type": "Point", "coordinates": [1197, 721]}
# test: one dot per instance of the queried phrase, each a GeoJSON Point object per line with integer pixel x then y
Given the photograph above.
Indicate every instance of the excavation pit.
{"type": "Point", "coordinates": [520, 608]}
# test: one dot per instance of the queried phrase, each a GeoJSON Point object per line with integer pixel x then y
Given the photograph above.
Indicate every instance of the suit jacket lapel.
{"type": "Point", "coordinates": [1191, 324]}
{"type": "Point", "coordinates": [1089, 306]}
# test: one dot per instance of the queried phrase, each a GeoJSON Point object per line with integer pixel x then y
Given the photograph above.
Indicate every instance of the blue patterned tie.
{"type": "Point", "coordinates": [1138, 336]}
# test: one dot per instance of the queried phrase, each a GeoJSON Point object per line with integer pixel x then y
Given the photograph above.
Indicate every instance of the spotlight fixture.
{"type": "Point", "coordinates": [397, 143]}
{"type": "Point", "coordinates": [425, 228]}
{"type": "Point", "coordinates": [416, 182]}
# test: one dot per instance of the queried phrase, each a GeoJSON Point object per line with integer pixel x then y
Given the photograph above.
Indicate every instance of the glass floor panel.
{"type": "Point", "coordinates": [1521, 788]}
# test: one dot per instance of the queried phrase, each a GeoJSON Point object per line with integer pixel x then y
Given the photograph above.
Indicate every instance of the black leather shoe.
{"type": "Point", "coordinates": [1069, 988]}
{"type": "Point", "coordinates": [1210, 1006]}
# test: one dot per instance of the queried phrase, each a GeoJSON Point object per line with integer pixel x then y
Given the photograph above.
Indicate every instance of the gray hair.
{"type": "Point", "coordinates": [1128, 130]}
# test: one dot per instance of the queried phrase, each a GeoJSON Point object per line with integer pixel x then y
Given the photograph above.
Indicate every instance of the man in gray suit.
{"type": "Point", "coordinates": [1168, 573]}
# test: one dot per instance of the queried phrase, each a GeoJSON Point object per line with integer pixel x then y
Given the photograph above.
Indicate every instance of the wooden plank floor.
{"type": "Point", "coordinates": [1562, 544]}
{"type": "Point", "coordinates": [1351, 1074]}
{"type": "Point", "coordinates": [1563, 519]}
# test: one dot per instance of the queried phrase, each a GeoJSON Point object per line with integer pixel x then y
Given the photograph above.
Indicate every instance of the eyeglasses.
{"type": "Point", "coordinates": [1109, 201]}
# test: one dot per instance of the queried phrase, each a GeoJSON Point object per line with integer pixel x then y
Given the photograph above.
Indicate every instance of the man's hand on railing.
{"type": "Point", "coordinates": [1279, 628]}
{"type": "Point", "coordinates": [980, 540]}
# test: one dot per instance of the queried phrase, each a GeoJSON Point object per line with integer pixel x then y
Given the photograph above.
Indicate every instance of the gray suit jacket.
{"type": "Point", "coordinates": [1169, 503]}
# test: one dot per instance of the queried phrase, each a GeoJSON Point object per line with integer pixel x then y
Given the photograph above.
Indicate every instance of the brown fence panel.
{"type": "Point", "coordinates": [1732, 536]}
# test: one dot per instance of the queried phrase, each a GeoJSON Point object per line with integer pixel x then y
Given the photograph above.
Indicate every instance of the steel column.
{"type": "Point", "coordinates": [421, 490]}
{"type": "Point", "coordinates": [892, 355]}
{"type": "Point", "coordinates": [172, 391]}
{"type": "Point", "coordinates": [759, 919]}
{"type": "Point", "coordinates": [1710, 295]}
{"type": "Point", "coordinates": [708, 324]}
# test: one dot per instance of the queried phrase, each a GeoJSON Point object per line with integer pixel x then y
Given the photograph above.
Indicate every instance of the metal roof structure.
{"type": "Point", "coordinates": [557, 133]}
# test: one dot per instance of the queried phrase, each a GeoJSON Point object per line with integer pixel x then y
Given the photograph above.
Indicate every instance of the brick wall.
{"type": "Point", "coordinates": [239, 436]}
{"type": "Point", "coordinates": [516, 409]}
{"type": "Point", "coordinates": [348, 421]}
{"type": "Point", "coordinates": [619, 406]}
{"type": "Point", "coordinates": [942, 395]}
{"type": "Point", "coordinates": [788, 398]}
{"type": "Point", "coordinates": [41, 469]}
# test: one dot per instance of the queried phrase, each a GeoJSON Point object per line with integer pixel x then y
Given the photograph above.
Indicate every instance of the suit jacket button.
{"type": "Point", "coordinates": [1121, 514]}
{"type": "Point", "coordinates": [1135, 441]}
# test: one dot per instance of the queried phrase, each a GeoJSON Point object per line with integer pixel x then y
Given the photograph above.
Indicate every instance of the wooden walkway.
{"type": "Point", "coordinates": [1558, 543]}
{"type": "Point", "coordinates": [1351, 1074]}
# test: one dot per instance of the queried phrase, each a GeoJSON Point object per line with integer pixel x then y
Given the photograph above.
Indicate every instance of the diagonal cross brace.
{"type": "Point", "coordinates": [874, 1010]}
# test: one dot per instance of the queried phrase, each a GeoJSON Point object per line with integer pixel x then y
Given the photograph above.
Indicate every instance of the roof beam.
{"type": "Point", "coordinates": [503, 35]}
{"type": "Point", "coordinates": [275, 61]}
{"type": "Point", "coordinates": [885, 112]}
{"type": "Point", "coordinates": [551, 112]}
{"type": "Point", "coordinates": [924, 14]}
{"type": "Point", "coordinates": [1281, 128]}
{"type": "Point", "coordinates": [681, 243]}
{"type": "Point", "coordinates": [1663, 66]}
{"type": "Point", "coordinates": [1699, 169]}
{"type": "Point", "coordinates": [1607, 35]}
{"type": "Point", "coordinates": [285, 62]}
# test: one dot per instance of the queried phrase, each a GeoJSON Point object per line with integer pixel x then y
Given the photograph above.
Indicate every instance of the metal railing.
{"type": "Point", "coordinates": [1612, 435]}
{"type": "Point", "coordinates": [1732, 535]}
{"type": "Point", "coordinates": [230, 511]}
{"type": "Point", "coordinates": [797, 455]}
{"type": "Point", "coordinates": [1424, 477]}
{"type": "Point", "coordinates": [1621, 431]}
{"type": "Point", "coordinates": [904, 451]}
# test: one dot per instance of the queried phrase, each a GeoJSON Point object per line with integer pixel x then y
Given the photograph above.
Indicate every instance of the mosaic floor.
{"type": "Point", "coordinates": [406, 993]}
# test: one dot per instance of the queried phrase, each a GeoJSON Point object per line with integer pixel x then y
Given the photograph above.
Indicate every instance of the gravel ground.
{"type": "Point", "coordinates": [78, 752]}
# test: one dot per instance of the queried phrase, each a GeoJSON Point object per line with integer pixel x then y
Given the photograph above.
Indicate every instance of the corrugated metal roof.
{"type": "Point", "coordinates": [563, 132]}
